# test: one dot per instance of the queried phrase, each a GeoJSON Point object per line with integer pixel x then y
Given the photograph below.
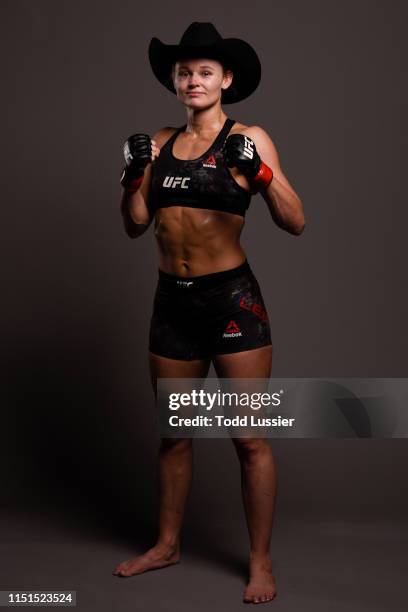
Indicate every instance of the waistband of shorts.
{"type": "Point", "coordinates": [204, 281]}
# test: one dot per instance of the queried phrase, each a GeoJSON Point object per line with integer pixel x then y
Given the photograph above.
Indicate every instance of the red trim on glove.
{"type": "Point", "coordinates": [128, 183]}
{"type": "Point", "coordinates": [134, 184]}
{"type": "Point", "coordinates": [264, 176]}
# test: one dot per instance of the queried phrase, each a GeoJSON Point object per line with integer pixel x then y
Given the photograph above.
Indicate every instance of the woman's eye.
{"type": "Point", "coordinates": [183, 74]}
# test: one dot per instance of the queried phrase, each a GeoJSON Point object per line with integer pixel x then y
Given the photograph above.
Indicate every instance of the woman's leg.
{"type": "Point", "coordinates": [258, 477]}
{"type": "Point", "coordinates": [175, 454]}
{"type": "Point", "coordinates": [175, 472]}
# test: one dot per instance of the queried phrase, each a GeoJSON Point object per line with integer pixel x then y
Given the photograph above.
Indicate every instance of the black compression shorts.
{"type": "Point", "coordinates": [203, 316]}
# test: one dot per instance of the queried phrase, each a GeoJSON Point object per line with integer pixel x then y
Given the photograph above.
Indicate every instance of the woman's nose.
{"type": "Point", "coordinates": [193, 80]}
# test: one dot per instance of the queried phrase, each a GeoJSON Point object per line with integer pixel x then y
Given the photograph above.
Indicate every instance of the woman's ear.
{"type": "Point", "coordinates": [227, 79]}
{"type": "Point", "coordinates": [172, 74]}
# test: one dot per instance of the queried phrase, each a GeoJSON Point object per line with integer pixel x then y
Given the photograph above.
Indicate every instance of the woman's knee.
{"type": "Point", "coordinates": [249, 448]}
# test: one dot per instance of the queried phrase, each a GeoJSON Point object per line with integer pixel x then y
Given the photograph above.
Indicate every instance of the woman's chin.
{"type": "Point", "coordinates": [196, 102]}
{"type": "Point", "coordinates": [194, 99]}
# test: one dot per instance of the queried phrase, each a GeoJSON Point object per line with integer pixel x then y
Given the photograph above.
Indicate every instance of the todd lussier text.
{"type": "Point", "coordinates": [237, 421]}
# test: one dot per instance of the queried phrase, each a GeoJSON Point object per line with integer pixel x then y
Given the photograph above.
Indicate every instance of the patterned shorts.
{"type": "Point", "coordinates": [203, 316]}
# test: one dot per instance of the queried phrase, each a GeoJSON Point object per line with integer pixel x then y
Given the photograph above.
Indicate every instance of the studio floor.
{"type": "Point", "coordinates": [320, 566]}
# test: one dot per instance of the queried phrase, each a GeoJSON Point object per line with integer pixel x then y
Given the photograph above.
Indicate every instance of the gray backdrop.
{"type": "Point", "coordinates": [79, 432]}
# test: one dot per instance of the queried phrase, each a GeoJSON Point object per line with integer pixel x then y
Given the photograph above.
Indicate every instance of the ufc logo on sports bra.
{"type": "Point", "coordinates": [248, 147]}
{"type": "Point", "coordinates": [176, 181]}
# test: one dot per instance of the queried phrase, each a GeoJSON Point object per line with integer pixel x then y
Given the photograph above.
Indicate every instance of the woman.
{"type": "Point", "coordinates": [196, 183]}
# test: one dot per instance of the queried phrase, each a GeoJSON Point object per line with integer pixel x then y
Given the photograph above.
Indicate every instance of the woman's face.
{"type": "Point", "coordinates": [198, 82]}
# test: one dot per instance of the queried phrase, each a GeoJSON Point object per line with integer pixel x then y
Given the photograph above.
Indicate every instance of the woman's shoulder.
{"type": "Point", "coordinates": [260, 136]}
{"type": "Point", "coordinates": [241, 128]}
{"type": "Point", "coordinates": [163, 134]}
{"type": "Point", "coordinates": [238, 128]}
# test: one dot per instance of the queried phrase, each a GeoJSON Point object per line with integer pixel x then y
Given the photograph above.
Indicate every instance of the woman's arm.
{"type": "Point", "coordinates": [134, 205]}
{"type": "Point", "coordinates": [283, 202]}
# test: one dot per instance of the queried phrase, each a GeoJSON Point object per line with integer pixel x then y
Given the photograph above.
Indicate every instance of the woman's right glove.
{"type": "Point", "coordinates": [137, 151]}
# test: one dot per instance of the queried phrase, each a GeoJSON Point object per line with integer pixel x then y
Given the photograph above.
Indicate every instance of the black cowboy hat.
{"type": "Point", "coordinates": [203, 40]}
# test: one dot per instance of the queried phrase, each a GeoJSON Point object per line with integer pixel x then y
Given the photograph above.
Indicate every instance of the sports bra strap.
{"type": "Point", "coordinates": [169, 141]}
{"type": "Point", "coordinates": [216, 144]}
{"type": "Point", "coordinates": [219, 141]}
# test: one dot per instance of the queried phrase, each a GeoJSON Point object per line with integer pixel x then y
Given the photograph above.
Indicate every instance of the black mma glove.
{"type": "Point", "coordinates": [137, 151]}
{"type": "Point", "coordinates": [240, 151]}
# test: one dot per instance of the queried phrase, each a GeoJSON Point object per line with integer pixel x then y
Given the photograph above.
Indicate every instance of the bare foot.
{"type": "Point", "coordinates": [156, 557]}
{"type": "Point", "coordinates": [261, 586]}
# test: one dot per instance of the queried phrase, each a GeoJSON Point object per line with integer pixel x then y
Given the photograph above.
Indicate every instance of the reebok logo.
{"type": "Point", "coordinates": [176, 181]}
{"type": "Point", "coordinates": [232, 330]}
{"type": "Point", "coordinates": [210, 162]}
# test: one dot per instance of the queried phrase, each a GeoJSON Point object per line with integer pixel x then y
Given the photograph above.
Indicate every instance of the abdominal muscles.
{"type": "Point", "coordinates": [195, 241]}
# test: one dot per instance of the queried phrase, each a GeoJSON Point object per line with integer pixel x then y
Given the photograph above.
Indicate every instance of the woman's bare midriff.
{"type": "Point", "coordinates": [196, 241]}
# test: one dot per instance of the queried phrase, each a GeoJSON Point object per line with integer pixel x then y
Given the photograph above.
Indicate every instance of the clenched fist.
{"type": "Point", "coordinates": [240, 151]}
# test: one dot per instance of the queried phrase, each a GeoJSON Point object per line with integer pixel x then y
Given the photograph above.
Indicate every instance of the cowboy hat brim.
{"type": "Point", "coordinates": [234, 53]}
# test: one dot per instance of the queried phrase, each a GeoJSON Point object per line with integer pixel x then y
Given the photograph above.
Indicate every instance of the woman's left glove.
{"type": "Point", "coordinates": [240, 151]}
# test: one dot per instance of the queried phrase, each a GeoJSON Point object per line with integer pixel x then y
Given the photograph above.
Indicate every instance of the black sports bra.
{"type": "Point", "coordinates": [205, 182]}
